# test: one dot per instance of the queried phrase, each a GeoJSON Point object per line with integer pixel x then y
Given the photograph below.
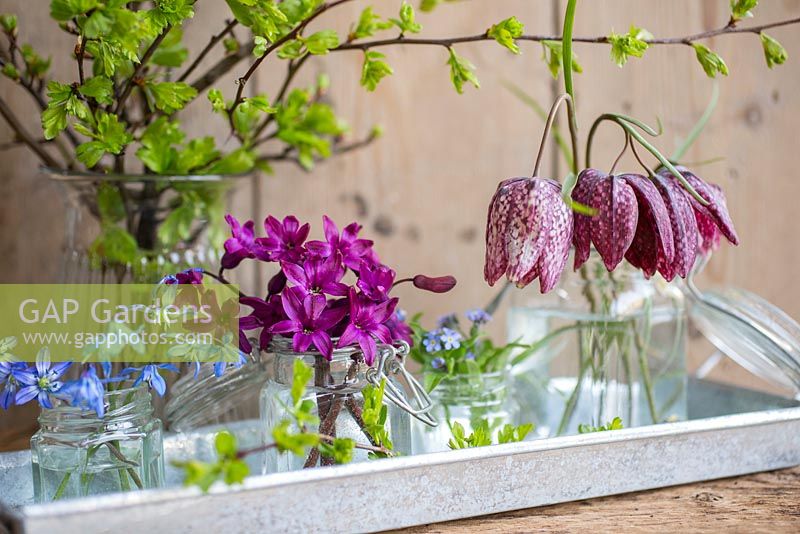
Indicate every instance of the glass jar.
{"type": "Point", "coordinates": [201, 406]}
{"type": "Point", "coordinates": [603, 345]}
{"type": "Point", "coordinates": [337, 395]}
{"type": "Point", "coordinates": [467, 400]}
{"type": "Point", "coordinates": [77, 454]}
{"type": "Point", "coordinates": [139, 205]}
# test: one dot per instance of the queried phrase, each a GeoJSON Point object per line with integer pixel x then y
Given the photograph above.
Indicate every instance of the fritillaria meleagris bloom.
{"type": "Point", "coordinates": [712, 220]}
{"type": "Point", "coordinates": [528, 233]}
{"type": "Point", "coordinates": [630, 221]}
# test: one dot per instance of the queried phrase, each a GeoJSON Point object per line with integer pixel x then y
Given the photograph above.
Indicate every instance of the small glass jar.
{"type": "Point", "coordinates": [603, 345]}
{"type": "Point", "coordinates": [337, 394]}
{"type": "Point", "coordinates": [200, 406]}
{"type": "Point", "coordinates": [77, 454]}
{"type": "Point", "coordinates": [466, 400]}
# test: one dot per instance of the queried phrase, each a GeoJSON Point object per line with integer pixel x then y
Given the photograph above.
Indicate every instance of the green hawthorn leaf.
{"type": "Point", "coordinates": [8, 23]}
{"type": "Point", "coordinates": [35, 65]}
{"type": "Point", "coordinates": [430, 5]}
{"type": "Point", "coordinates": [100, 88]}
{"type": "Point", "coordinates": [239, 161]}
{"type": "Point", "coordinates": [552, 52]}
{"type": "Point", "coordinates": [321, 42]}
{"type": "Point", "coordinates": [10, 71]}
{"type": "Point", "coordinates": [110, 55]}
{"type": "Point", "coordinates": [178, 224]}
{"type": "Point", "coordinates": [97, 24]}
{"type": "Point", "coordinates": [197, 154]}
{"type": "Point", "coordinates": [235, 472]}
{"type": "Point", "coordinates": [505, 31]}
{"type": "Point", "coordinates": [109, 137]}
{"type": "Point", "coordinates": [374, 69]}
{"type": "Point", "coordinates": [301, 375]}
{"type": "Point", "coordinates": [231, 45]}
{"type": "Point", "coordinates": [341, 450]}
{"type": "Point", "coordinates": [115, 245]}
{"type": "Point", "coordinates": [225, 444]}
{"type": "Point", "coordinates": [265, 18]}
{"type": "Point", "coordinates": [292, 50]}
{"type": "Point", "coordinates": [711, 62]}
{"type": "Point", "coordinates": [171, 52]}
{"type": "Point", "coordinates": [774, 52]}
{"type": "Point", "coordinates": [62, 102]}
{"type": "Point", "coordinates": [170, 97]}
{"type": "Point", "coordinates": [368, 24]}
{"type": "Point", "coordinates": [406, 22]}
{"type": "Point", "coordinates": [741, 9]}
{"type": "Point", "coordinates": [217, 101]}
{"type": "Point", "coordinates": [461, 72]}
{"type": "Point", "coordinates": [109, 203]}
{"type": "Point", "coordinates": [632, 43]}
{"type": "Point", "coordinates": [64, 10]}
{"type": "Point", "coordinates": [261, 103]}
{"type": "Point", "coordinates": [170, 13]}
{"type": "Point", "coordinates": [261, 45]}
{"type": "Point", "coordinates": [157, 151]}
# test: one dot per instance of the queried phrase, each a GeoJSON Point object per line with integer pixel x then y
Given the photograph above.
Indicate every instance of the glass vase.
{"type": "Point", "coordinates": [603, 345]}
{"type": "Point", "coordinates": [77, 454]}
{"type": "Point", "coordinates": [139, 205]}
{"type": "Point", "coordinates": [336, 393]}
{"type": "Point", "coordinates": [467, 400]}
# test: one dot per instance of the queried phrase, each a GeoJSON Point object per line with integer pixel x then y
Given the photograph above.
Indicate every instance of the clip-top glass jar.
{"type": "Point", "coordinates": [467, 400]}
{"type": "Point", "coordinates": [77, 454]}
{"type": "Point", "coordinates": [603, 345]}
{"type": "Point", "coordinates": [336, 392]}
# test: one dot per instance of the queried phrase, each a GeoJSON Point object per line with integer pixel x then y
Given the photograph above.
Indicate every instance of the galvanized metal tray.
{"type": "Point", "coordinates": [731, 432]}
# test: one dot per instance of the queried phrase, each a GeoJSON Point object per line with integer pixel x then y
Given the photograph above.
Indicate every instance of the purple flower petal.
{"type": "Point", "coordinates": [684, 228]}
{"type": "Point", "coordinates": [614, 225]}
{"type": "Point", "coordinates": [582, 234]}
{"type": "Point", "coordinates": [653, 236]}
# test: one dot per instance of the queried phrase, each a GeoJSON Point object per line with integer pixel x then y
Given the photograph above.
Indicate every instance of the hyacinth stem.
{"type": "Point", "coordinates": [548, 126]}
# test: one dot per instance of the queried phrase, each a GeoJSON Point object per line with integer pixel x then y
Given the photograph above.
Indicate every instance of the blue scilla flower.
{"type": "Point", "coordinates": [438, 363]}
{"type": "Point", "coordinates": [432, 341]}
{"type": "Point", "coordinates": [149, 374]}
{"type": "Point", "coordinates": [220, 367]}
{"type": "Point", "coordinates": [451, 339]}
{"type": "Point", "coordinates": [40, 381]}
{"type": "Point", "coordinates": [87, 392]}
{"type": "Point", "coordinates": [478, 316]}
{"type": "Point", "coordinates": [8, 384]}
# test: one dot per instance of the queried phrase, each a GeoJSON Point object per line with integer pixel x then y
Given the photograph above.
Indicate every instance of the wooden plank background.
{"type": "Point", "coordinates": [422, 189]}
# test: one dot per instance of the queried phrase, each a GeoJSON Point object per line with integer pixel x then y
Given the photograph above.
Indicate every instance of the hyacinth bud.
{"type": "Point", "coordinates": [437, 284]}
{"type": "Point", "coordinates": [276, 283]}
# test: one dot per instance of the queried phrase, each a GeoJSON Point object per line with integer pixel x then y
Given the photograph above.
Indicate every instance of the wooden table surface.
{"type": "Point", "coordinates": [764, 502]}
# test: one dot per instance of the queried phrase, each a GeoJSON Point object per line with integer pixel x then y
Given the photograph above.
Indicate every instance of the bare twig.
{"type": "Point", "coordinates": [25, 136]}
{"type": "Point", "coordinates": [211, 44]}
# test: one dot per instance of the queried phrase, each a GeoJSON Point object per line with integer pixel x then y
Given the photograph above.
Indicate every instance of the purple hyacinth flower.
{"type": "Point", "coordinates": [653, 238]}
{"type": "Point", "coordinates": [8, 382]}
{"type": "Point", "coordinates": [284, 241]}
{"type": "Point", "coordinates": [684, 228]}
{"type": "Point", "coordinates": [88, 392]}
{"type": "Point", "coordinates": [399, 329]}
{"type": "Point", "coordinates": [241, 244]}
{"type": "Point", "coordinates": [40, 381]}
{"type": "Point", "coordinates": [317, 276]}
{"type": "Point", "coordinates": [375, 280]}
{"type": "Point", "coordinates": [613, 226]}
{"type": "Point", "coordinates": [149, 374]}
{"type": "Point", "coordinates": [528, 233]}
{"type": "Point", "coordinates": [189, 276]}
{"type": "Point", "coordinates": [713, 220]}
{"type": "Point", "coordinates": [309, 319]}
{"type": "Point", "coordinates": [264, 315]}
{"type": "Point", "coordinates": [352, 249]}
{"type": "Point", "coordinates": [366, 324]}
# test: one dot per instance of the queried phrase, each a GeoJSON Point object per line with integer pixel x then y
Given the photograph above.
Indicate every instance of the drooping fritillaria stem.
{"type": "Point", "coordinates": [621, 153]}
{"type": "Point", "coordinates": [548, 125]}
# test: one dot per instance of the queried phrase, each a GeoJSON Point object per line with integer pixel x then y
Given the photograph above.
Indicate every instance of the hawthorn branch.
{"type": "Point", "coordinates": [211, 44]}
{"type": "Point", "coordinates": [448, 42]}
{"type": "Point", "coordinates": [25, 136]}
{"type": "Point", "coordinates": [291, 72]}
{"type": "Point", "coordinates": [277, 44]}
{"type": "Point", "coordinates": [140, 68]}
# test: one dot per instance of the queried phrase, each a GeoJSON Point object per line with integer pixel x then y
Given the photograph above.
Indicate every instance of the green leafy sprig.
{"type": "Point", "coordinates": [614, 424]}
{"type": "Point", "coordinates": [481, 435]}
